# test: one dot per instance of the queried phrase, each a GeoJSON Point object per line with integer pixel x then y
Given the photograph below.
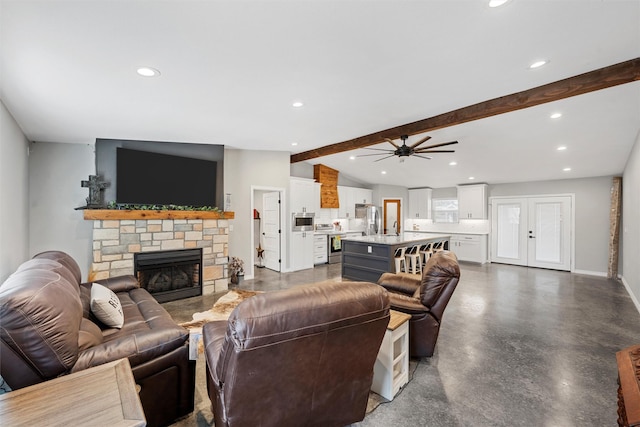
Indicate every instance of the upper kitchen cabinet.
{"type": "Point", "coordinates": [303, 197]}
{"type": "Point", "coordinates": [419, 203]}
{"type": "Point", "coordinates": [362, 195]}
{"type": "Point", "coordinates": [349, 197]}
{"type": "Point", "coordinates": [472, 201]}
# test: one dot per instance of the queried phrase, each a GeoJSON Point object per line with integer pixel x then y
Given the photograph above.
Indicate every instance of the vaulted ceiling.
{"type": "Point", "coordinates": [230, 71]}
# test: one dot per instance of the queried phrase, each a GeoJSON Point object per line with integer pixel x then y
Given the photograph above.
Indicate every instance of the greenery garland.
{"type": "Point", "coordinates": [124, 206]}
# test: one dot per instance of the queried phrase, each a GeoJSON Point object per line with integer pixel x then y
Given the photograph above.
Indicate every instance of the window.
{"type": "Point", "coordinates": [445, 210]}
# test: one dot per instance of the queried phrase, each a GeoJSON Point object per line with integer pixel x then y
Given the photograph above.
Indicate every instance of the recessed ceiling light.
{"type": "Point", "coordinates": [566, 169]}
{"type": "Point", "coordinates": [294, 143]}
{"type": "Point", "coordinates": [538, 64]}
{"type": "Point", "coordinates": [352, 157]}
{"type": "Point", "coordinates": [383, 172]}
{"type": "Point", "coordinates": [561, 148]}
{"type": "Point", "coordinates": [556, 115]}
{"type": "Point", "coordinates": [496, 3]}
{"type": "Point", "coordinates": [297, 104]}
{"type": "Point", "coordinates": [472, 177]}
{"type": "Point", "coordinates": [148, 72]}
{"type": "Point", "coordinates": [453, 163]}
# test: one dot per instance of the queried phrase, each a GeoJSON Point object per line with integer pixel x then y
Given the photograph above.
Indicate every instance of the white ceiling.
{"type": "Point", "coordinates": [231, 69]}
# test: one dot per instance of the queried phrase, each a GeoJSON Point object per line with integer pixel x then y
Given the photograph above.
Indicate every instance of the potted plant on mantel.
{"type": "Point", "coordinates": [236, 269]}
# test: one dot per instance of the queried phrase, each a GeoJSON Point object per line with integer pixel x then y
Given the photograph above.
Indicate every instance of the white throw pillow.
{"type": "Point", "coordinates": [105, 305]}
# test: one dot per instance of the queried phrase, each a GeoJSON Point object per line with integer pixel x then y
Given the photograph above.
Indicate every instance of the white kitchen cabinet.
{"type": "Point", "coordinates": [320, 249]}
{"type": "Point", "coordinates": [469, 247]}
{"type": "Point", "coordinates": [301, 250]}
{"type": "Point", "coordinates": [349, 197]}
{"type": "Point", "coordinates": [302, 195]}
{"type": "Point", "coordinates": [419, 203]}
{"type": "Point", "coordinates": [472, 201]}
{"type": "Point", "coordinates": [362, 195]}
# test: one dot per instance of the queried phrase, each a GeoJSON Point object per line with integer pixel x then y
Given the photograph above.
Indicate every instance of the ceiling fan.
{"type": "Point", "coordinates": [405, 150]}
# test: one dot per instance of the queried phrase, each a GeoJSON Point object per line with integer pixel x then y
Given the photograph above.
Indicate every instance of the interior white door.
{"type": "Point", "coordinates": [271, 230]}
{"type": "Point", "coordinates": [532, 231]}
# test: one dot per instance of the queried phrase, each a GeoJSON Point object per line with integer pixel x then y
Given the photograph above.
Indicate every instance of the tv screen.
{"type": "Point", "coordinates": [160, 179]}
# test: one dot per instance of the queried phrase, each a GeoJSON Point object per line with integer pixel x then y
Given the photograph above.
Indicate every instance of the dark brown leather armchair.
{"type": "Point", "coordinates": [47, 330]}
{"type": "Point", "coordinates": [298, 357]}
{"type": "Point", "coordinates": [424, 299]}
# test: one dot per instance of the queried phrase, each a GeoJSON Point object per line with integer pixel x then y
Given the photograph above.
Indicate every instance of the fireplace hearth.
{"type": "Point", "coordinates": [170, 275]}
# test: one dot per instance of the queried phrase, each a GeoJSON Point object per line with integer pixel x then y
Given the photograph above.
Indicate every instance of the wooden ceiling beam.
{"type": "Point", "coordinates": [603, 78]}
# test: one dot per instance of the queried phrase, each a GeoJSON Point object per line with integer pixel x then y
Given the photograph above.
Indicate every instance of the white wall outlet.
{"type": "Point", "coordinates": [369, 249]}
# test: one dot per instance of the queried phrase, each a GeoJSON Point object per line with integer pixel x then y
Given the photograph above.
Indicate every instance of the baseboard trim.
{"type": "Point", "coordinates": [591, 273]}
{"type": "Point", "coordinates": [631, 295]}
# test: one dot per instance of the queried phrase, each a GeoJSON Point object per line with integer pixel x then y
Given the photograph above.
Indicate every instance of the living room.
{"type": "Point", "coordinates": [41, 170]}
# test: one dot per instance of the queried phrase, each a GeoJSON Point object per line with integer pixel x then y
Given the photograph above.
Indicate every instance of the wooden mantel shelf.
{"type": "Point", "coordinates": [117, 214]}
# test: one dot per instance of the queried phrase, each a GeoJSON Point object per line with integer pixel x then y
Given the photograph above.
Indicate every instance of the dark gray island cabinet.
{"type": "Point", "coordinates": [366, 258]}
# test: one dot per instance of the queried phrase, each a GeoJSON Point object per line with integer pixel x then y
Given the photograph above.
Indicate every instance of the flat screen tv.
{"type": "Point", "coordinates": [160, 179]}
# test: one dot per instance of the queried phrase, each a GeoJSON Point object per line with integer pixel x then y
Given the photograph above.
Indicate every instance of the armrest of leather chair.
{"type": "Point", "coordinates": [407, 304]}
{"type": "Point", "coordinates": [213, 334]}
{"type": "Point", "coordinates": [118, 283]}
{"type": "Point", "coordinates": [399, 283]}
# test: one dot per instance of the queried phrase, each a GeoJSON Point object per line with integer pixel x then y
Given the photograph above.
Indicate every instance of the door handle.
{"type": "Point", "coordinates": [532, 237]}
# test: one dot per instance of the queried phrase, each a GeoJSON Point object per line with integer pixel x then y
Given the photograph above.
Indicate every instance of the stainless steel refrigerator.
{"type": "Point", "coordinates": [371, 216]}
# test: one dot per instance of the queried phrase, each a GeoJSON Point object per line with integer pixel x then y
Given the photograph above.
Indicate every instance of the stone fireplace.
{"type": "Point", "coordinates": [119, 237]}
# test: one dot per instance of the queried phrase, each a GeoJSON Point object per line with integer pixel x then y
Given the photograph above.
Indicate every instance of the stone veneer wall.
{"type": "Point", "coordinates": [115, 242]}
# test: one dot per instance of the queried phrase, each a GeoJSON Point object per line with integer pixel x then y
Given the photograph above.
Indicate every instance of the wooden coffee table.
{"type": "Point", "coordinates": [102, 396]}
{"type": "Point", "coordinates": [391, 371]}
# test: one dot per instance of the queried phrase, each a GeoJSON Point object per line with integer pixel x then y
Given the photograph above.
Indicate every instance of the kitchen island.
{"type": "Point", "coordinates": [366, 258]}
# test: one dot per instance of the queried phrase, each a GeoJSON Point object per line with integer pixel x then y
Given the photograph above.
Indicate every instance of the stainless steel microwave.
{"type": "Point", "coordinates": [302, 221]}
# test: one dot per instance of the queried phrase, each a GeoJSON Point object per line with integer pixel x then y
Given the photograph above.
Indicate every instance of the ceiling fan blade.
{"type": "Point", "coordinates": [426, 138]}
{"type": "Point", "coordinates": [423, 157]}
{"type": "Point", "coordinates": [393, 155]}
{"type": "Point", "coordinates": [426, 150]}
{"type": "Point", "coordinates": [379, 149]}
{"type": "Point", "coordinates": [373, 154]}
{"type": "Point", "coordinates": [438, 145]}
{"type": "Point", "coordinates": [392, 142]}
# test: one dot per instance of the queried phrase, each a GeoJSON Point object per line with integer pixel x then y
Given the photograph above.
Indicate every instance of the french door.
{"type": "Point", "coordinates": [271, 230]}
{"type": "Point", "coordinates": [532, 231]}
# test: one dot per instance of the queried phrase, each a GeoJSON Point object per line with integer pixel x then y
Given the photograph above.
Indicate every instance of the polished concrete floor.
{"type": "Point", "coordinates": [518, 347]}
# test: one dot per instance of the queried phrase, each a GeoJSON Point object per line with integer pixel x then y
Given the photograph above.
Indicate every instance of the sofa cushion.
{"type": "Point", "coordinates": [90, 335]}
{"type": "Point", "coordinates": [66, 260]}
{"type": "Point", "coordinates": [148, 332]}
{"type": "Point", "coordinates": [106, 306]}
{"type": "Point", "coordinates": [440, 269]}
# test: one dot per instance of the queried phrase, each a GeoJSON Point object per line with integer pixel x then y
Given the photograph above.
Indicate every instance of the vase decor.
{"type": "Point", "coordinates": [236, 268]}
{"type": "Point", "coordinates": [227, 202]}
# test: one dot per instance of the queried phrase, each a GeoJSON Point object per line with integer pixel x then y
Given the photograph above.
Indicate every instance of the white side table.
{"type": "Point", "coordinates": [391, 371]}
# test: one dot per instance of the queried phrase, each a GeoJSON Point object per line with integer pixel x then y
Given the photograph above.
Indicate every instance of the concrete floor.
{"type": "Point", "coordinates": [518, 347]}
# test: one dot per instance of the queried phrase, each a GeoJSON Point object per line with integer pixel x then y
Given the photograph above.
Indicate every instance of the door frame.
{"type": "Point", "coordinates": [572, 221]}
{"type": "Point", "coordinates": [250, 274]}
{"type": "Point", "coordinates": [400, 212]}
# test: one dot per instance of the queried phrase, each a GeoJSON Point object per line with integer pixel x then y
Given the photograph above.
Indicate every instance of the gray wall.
{"type": "Point", "coordinates": [630, 232]}
{"type": "Point", "coordinates": [56, 171]}
{"type": "Point", "coordinates": [14, 195]}
{"type": "Point", "coordinates": [244, 169]}
{"type": "Point", "coordinates": [593, 201]}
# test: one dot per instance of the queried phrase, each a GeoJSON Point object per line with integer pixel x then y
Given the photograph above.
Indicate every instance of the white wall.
{"type": "Point", "coordinates": [243, 169]}
{"type": "Point", "coordinates": [14, 195]}
{"type": "Point", "coordinates": [593, 202]}
{"type": "Point", "coordinates": [630, 232]}
{"type": "Point", "coordinates": [56, 171]}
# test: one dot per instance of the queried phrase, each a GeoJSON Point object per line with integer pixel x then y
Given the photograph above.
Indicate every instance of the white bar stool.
{"type": "Point", "coordinates": [398, 256]}
{"type": "Point", "coordinates": [425, 253]}
{"type": "Point", "coordinates": [413, 260]}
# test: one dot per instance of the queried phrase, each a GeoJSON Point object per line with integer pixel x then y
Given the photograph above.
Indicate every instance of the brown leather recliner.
{"type": "Point", "coordinates": [424, 299]}
{"type": "Point", "coordinates": [47, 330]}
{"type": "Point", "coordinates": [298, 357]}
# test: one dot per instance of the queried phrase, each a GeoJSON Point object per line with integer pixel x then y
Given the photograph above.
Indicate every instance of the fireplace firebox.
{"type": "Point", "coordinates": [170, 275]}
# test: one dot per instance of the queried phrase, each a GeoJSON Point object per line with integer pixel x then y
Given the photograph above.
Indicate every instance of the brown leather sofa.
{"type": "Point", "coordinates": [47, 330]}
{"type": "Point", "coordinates": [298, 357]}
{"type": "Point", "coordinates": [424, 299]}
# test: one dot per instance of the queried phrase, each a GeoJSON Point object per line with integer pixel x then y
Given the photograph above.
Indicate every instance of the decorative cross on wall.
{"type": "Point", "coordinates": [95, 185]}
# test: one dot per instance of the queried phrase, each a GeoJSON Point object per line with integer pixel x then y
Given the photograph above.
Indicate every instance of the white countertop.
{"type": "Point", "coordinates": [390, 239]}
{"type": "Point", "coordinates": [448, 232]}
